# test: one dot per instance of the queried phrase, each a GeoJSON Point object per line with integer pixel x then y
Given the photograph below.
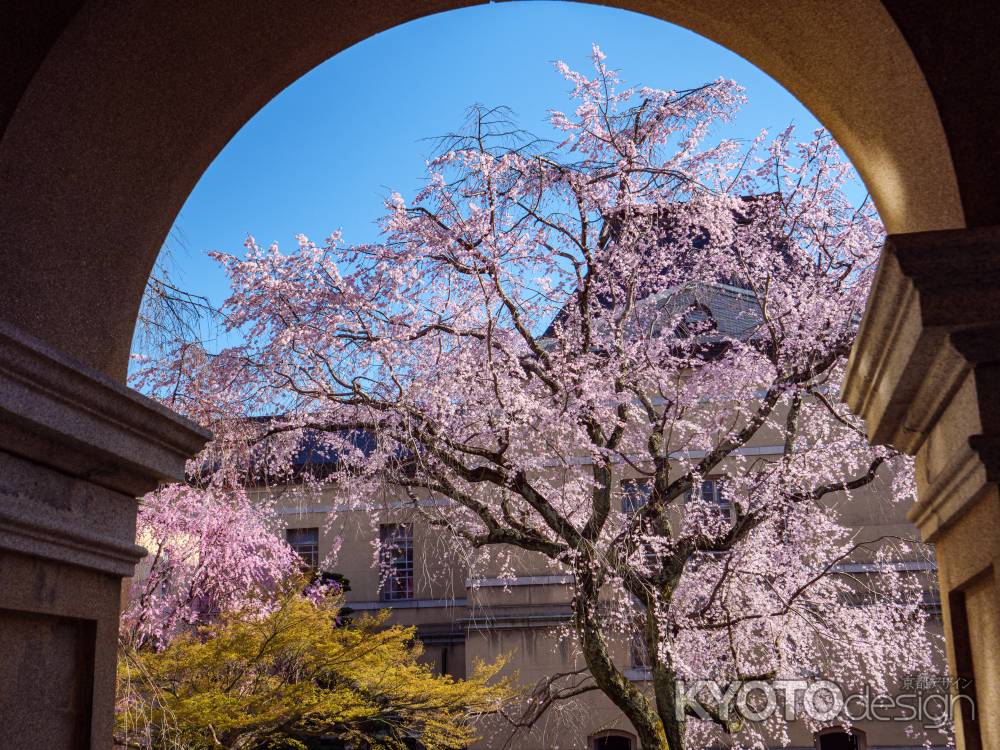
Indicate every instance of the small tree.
{"type": "Point", "coordinates": [296, 675]}
{"type": "Point", "coordinates": [212, 550]}
{"type": "Point", "coordinates": [543, 320]}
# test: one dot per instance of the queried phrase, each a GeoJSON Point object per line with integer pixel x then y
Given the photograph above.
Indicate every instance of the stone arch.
{"type": "Point", "coordinates": [114, 112]}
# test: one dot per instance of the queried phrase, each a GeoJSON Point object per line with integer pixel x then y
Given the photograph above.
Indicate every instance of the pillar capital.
{"type": "Point", "coordinates": [929, 287]}
{"type": "Point", "coordinates": [76, 449]}
{"type": "Point", "coordinates": [93, 427]}
{"type": "Point", "coordinates": [926, 365]}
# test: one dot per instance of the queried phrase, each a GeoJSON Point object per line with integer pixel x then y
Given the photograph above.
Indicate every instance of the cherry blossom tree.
{"type": "Point", "coordinates": [212, 550]}
{"type": "Point", "coordinates": [636, 300]}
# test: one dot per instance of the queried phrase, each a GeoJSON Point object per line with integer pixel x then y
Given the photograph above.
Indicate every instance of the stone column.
{"type": "Point", "coordinates": [76, 448]}
{"type": "Point", "coordinates": [925, 376]}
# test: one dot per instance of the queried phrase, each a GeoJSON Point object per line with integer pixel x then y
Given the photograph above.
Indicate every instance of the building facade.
{"type": "Point", "coordinates": [519, 607]}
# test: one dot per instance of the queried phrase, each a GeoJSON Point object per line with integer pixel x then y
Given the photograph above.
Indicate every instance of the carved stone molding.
{"type": "Point", "coordinates": [63, 414]}
{"type": "Point", "coordinates": [76, 448]}
{"type": "Point", "coordinates": [925, 376]}
{"type": "Point", "coordinates": [929, 286]}
{"type": "Point", "coordinates": [925, 370]}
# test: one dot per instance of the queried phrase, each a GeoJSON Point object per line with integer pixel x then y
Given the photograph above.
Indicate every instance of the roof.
{"type": "Point", "coordinates": [724, 308]}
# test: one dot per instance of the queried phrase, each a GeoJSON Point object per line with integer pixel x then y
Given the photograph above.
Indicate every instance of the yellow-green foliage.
{"type": "Point", "coordinates": [251, 682]}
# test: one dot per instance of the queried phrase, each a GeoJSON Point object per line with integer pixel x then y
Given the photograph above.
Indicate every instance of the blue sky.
{"type": "Point", "coordinates": [323, 153]}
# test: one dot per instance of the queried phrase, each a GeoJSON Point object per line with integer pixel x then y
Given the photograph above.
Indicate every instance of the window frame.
{"type": "Point", "coordinates": [309, 557]}
{"type": "Point", "coordinates": [718, 498]}
{"type": "Point", "coordinates": [638, 651]}
{"type": "Point", "coordinates": [629, 506]}
{"type": "Point", "coordinates": [397, 563]}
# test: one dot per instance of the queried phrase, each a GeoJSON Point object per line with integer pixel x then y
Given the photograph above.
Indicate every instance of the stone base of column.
{"type": "Point", "coordinates": [75, 450]}
{"type": "Point", "coordinates": [925, 376]}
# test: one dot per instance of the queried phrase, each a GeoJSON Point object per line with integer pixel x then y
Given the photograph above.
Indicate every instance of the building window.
{"type": "Point", "coordinates": [305, 542]}
{"type": "Point", "coordinates": [612, 741]}
{"type": "Point", "coordinates": [396, 561]}
{"type": "Point", "coordinates": [713, 491]}
{"type": "Point", "coordinates": [932, 604]}
{"type": "Point", "coordinates": [838, 738]}
{"type": "Point", "coordinates": [638, 650]}
{"type": "Point", "coordinates": [697, 321]}
{"type": "Point", "coordinates": [635, 494]}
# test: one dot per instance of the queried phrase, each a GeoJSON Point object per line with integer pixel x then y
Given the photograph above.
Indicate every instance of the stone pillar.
{"type": "Point", "coordinates": [925, 376]}
{"type": "Point", "coordinates": [76, 448]}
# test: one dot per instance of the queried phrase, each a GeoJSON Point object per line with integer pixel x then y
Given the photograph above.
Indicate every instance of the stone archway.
{"type": "Point", "coordinates": [131, 103]}
{"type": "Point", "coordinates": [109, 113]}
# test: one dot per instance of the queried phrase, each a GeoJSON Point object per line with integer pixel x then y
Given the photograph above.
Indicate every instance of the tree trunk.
{"type": "Point", "coordinates": [664, 678]}
{"type": "Point", "coordinates": [665, 689]}
{"type": "Point", "coordinates": [607, 676]}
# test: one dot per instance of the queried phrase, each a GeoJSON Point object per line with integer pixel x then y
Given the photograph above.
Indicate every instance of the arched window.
{"type": "Point", "coordinates": [612, 740]}
{"type": "Point", "coordinates": [697, 321]}
{"type": "Point", "coordinates": [839, 738]}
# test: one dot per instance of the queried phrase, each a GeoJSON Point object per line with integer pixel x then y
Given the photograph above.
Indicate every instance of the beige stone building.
{"type": "Point", "coordinates": [462, 616]}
